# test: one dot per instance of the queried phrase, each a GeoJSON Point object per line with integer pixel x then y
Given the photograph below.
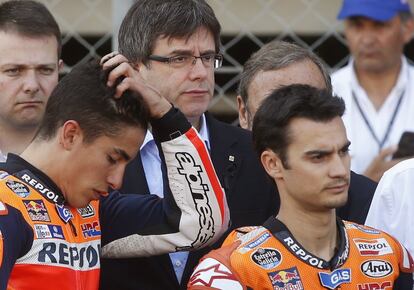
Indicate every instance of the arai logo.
{"type": "Point", "coordinates": [376, 268]}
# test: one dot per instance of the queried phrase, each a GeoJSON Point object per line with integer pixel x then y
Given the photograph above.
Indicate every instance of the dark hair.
{"type": "Point", "coordinates": [82, 95]}
{"type": "Point", "coordinates": [271, 122]}
{"type": "Point", "coordinates": [147, 20]}
{"type": "Point", "coordinates": [277, 55]}
{"type": "Point", "coordinates": [29, 18]}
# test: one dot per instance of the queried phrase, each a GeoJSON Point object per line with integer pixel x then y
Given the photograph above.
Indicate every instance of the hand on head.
{"type": "Point", "coordinates": [132, 80]}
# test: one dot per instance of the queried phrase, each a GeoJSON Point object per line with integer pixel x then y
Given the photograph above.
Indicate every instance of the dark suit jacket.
{"type": "Point", "coordinates": [251, 195]}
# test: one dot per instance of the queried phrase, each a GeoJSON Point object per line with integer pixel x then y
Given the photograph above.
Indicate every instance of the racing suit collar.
{"type": "Point", "coordinates": [33, 177]}
{"type": "Point", "coordinates": [282, 233]}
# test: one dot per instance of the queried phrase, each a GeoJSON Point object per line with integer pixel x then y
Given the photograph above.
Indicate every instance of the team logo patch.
{"type": "Point", "coordinates": [373, 247]}
{"type": "Point", "coordinates": [86, 212]}
{"type": "Point", "coordinates": [90, 230]}
{"type": "Point", "coordinates": [37, 210]}
{"type": "Point", "coordinates": [375, 286]}
{"type": "Point", "coordinates": [64, 212]}
{"type": "Point", "coordinates": [334, 279]}
{"type": "Point", "coordinates": [376, 268]}
{"type": "Point", "coordinates": [260, 240]}
{"type": "Point", "coordinates": [48, 231]}
{"type": "Point", "coordinates": [266, 258]}
{"type": "Point", "coordinates": [286, 279]}
{"type": "Point", "coordinates": [18, 188]}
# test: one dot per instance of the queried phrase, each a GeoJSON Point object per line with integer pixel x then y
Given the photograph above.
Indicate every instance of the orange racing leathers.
{"type": "Point", "coordinates": [46, 244]}
{"type": "Point", "coordinates": [269, 257]}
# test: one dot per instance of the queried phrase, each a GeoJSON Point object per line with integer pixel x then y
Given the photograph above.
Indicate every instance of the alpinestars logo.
{"type": "Point", "coordinates": [208, 276]}
{"type": "Point", "coordinates": [192, 173]}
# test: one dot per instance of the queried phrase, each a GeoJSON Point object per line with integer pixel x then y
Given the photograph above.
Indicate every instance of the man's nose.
{"type": "Point", "coordinates": [31, 82]}
{"type": "Point", "coordinates": [116, 177]}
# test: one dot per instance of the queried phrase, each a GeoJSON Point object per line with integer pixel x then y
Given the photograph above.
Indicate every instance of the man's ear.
{"type": "Point", "coordinates": [70, 134]}
{"type": "Point", "coordinates": [243, 113]}
{"type": "Point", "coordinates": [272, 164]}
{"type": "Point", "coordinates": [60, 65]}
{"type": "Point", "coordinates": [408, 30]}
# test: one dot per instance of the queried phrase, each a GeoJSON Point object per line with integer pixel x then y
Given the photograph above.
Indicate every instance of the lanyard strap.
{"type": "Point", "coordinates": [371, 130]}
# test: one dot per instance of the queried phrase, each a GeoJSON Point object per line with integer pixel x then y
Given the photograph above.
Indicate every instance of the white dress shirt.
{"type": "Point", "coordinates": [392, 208]}
{"type": "Point", "coordinates": [364, 148]}
{"type": "Point", "coordinates": [152, 167]}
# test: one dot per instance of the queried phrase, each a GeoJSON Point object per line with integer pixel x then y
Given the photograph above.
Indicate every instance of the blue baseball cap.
{"type": "Point", "coordinates": [380, 10]}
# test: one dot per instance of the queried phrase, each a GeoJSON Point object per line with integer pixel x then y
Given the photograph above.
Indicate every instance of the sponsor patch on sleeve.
{"type": "Point", "coordinates": [86, 212]}
{"type": "Point", "coordinates": [18, 188]}
{"type": "Point", "coordinates": [43, 231]}
{"type": "Point", "coordinates": [255, 243]}
{"type": "Point", "coordinates": [286, 279]}
{"type": "Point", "coordinates": [373, 247]}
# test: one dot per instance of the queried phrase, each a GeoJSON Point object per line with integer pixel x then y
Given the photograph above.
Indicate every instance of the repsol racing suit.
{"type": "Point", "coordinates": [46, 244]}
{"type": "Point", "coordinates": [269, 257]}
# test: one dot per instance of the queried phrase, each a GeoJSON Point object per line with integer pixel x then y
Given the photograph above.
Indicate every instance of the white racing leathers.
{"type": "Point", "coordinates": [193, 212]}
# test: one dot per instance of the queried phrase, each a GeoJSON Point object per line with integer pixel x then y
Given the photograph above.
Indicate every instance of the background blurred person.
{"type": "Point", "coordinates": [178, 58]}
{"type": "Point", "coordinates": [378, 82]}
{"type": "Point", "coordinates": [301, 140]}
{"type": "Point", "coordinates": [30, 47]}
{"type": "Point", "coordinates": [281, 63]}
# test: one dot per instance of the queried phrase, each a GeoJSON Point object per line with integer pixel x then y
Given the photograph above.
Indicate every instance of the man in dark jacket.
{"type": "Point", "coordinates": [178, 59]}
{"type": "Point", "coordinates": [280, 63]}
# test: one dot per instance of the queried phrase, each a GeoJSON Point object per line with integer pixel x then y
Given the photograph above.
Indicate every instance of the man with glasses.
{"type": "Point", "coordinates": [175, 46]}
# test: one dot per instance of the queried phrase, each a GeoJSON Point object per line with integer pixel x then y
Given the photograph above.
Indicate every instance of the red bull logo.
{"type": "Point", "coordinates": [35, 205]}
{"type": "Point", "coordinates": [37, 210]}
{"type": "Point", "coordinates": [286, 279]}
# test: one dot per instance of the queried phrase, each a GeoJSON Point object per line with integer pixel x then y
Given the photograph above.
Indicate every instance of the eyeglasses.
{"type": "Point", "coordinates": [211, 60]}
